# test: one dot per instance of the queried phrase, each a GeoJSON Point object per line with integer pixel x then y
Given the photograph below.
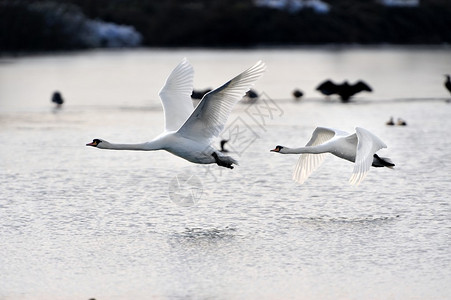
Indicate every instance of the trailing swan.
{"type": "Point", "coordinates": [359, 148]}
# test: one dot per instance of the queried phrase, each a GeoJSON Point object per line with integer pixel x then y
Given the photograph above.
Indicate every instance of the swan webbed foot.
{"type": "Point", "coordinates": [220, 162]}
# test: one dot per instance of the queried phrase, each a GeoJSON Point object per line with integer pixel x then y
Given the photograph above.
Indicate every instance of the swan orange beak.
{"type": "Point", "coordinates": [274, 150]}
{"type": "Point", "coordinates": [94, 144]}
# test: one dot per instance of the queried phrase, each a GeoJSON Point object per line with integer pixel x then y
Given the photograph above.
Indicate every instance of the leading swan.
{"type": "Point", "coordinates": [359, 147]}
{"type": "Point", "coordinates": [189, 132]}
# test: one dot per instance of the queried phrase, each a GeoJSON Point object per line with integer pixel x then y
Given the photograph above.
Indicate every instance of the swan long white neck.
{"type": "Point", "coordinates": [149, 146]}
{"type": "Point", "coordinates": [311, 150]}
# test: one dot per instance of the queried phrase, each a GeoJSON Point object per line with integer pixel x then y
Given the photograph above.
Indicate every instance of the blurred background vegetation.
{"type": "Point", "coordinates": [75, 24]}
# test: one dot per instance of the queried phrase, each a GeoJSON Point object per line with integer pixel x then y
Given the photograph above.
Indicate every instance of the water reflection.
{"type": "Point", "coordinates": [203, 236]}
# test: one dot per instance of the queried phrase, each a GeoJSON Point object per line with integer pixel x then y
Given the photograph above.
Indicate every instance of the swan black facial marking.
{"type": "Point", "coordinates": [277, 149]}
{"type": "Point", "coordinates": [95, 143]}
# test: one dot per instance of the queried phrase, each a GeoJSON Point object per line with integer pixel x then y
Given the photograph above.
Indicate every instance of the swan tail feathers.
{"type": "Point", "coordinates": [382, 162]}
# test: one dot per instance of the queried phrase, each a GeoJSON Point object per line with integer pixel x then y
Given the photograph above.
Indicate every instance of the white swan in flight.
{"type": "Point", "coordinates": [188, 132]}
{"type": "Point", "coordinates": [359, 148]}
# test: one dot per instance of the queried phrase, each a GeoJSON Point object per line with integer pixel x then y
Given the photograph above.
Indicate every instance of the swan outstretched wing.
{"type": "Point", "coordinates": [308, 163]}
{"type": "Point", "coordinates": [209, 117]}
{"type": "Point", "coordinates": [367, 145]}
{"type": "Point", "coordinates": [175, 96]}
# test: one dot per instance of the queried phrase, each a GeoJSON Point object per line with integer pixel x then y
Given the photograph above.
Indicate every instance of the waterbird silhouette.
{"type": "Point", "coordinates": [390, 122]}
{"type": "Point", "coordinates": [57, 99]}
{"type": "Point", "coordinates": [344, 90]}
{"type": "Point", "coordinates": [252, 94]}
{"type": "Point", "coordinates": [199, 94]}
{"type": "Point", "coordinates": [250, 97]}
{"type": "Point", "coordinates": [401, 122]}
{"type": "Point", "coordinates": [297, 94]}
{"type": "Point", "coordinates": [448, 83]}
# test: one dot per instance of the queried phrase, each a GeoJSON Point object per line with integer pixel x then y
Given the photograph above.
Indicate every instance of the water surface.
{"type": "Point", "coordinates": [78, 222]}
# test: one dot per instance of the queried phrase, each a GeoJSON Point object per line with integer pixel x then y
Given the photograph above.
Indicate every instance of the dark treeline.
{"type": "Point", "coordinates": [232, 23]}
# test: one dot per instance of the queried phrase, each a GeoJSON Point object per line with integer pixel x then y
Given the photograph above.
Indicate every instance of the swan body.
{"type": "Point", "coordinates": [188, 132]}
{"type": "Point", "coordinates": [359, 148]}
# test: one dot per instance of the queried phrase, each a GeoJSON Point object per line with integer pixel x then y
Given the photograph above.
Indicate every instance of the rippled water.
{"type": "Point", "coordinates": [78, 222]}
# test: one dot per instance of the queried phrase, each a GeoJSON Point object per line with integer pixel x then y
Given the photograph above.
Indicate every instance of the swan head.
{"type": "Point", "coordinates": [96, 143]}
{"type": "Point", "coordinates": [277, 149]}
